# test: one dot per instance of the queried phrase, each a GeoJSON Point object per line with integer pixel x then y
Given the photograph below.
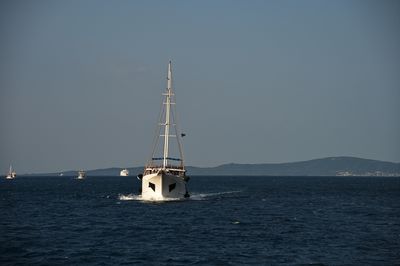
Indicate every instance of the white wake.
{"type": "Point", "coordinates": [139, 198]}
{"type": "Point", "coordinates": [129, 197]}
{"type": "Point", "coordinates": [204, 196]}
{"type": "Point", "coordinates": [193, 196]}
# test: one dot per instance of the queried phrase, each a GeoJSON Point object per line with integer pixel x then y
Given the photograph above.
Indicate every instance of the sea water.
{"type": "Point", "coordinates": [227, 221]}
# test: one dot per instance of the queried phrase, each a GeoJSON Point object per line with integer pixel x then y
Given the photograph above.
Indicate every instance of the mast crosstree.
{"type": "Point", "coordinates": [167, 115]}
{"type": "Point", "coordinates": [169, 122]}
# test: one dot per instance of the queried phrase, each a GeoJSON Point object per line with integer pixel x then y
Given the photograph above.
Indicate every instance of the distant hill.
{"type": "Point", "coordinates": [331, 166]}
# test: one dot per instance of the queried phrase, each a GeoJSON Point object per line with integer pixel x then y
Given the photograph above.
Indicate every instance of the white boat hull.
{"type": "Point", "coordinates": [81, 175]}
{"type": "Point", "coordinates": [10, 177]}
{"type": "Point", "coordinates": [163, 186]}
{"type": "Point", "coordinates": [124, 172]}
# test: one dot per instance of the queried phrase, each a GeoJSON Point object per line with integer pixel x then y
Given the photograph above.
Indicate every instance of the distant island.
{"type": "Point", "coordinates": [331, 166]}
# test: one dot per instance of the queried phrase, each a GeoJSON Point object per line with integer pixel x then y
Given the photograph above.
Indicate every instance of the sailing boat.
{"type": "Point", "coordinates": [166, 180]}
{"type": "Point", "coordinates": [11, 173]}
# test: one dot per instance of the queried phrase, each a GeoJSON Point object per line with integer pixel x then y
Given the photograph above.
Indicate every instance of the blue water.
{"type": "Point", "coordinates": [228, 221]}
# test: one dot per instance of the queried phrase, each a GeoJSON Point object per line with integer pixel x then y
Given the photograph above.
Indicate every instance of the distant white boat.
{"type": "Point", "coordinates": [124, 172]}
{"type": "Point", "coordinates": [81, 174]}
{"type": "Point", "coordinates": [167, 180]}
{"type": "Point", "coordinates": [11, 173]}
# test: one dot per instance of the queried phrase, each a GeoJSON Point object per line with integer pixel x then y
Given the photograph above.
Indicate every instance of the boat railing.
{"type": "Point", "coordinates": [173, 169]}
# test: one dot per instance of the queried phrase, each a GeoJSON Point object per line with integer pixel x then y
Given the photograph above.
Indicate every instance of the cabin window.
{"type": "Point", "coordinates": [152, 186]}
{"type": "Point", "coordinates": [172, 187]}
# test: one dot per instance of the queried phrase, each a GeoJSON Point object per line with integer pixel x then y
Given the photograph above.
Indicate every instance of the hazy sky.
{"type": "Point", "coordinates": [255, 81]}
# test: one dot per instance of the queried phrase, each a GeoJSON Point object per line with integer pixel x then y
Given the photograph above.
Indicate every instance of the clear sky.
{"type": "Point", "coordinates": [255, 81]}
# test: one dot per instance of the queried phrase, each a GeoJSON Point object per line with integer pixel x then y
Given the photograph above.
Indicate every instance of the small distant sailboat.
{"type": "Point", "coordinates": [124, 172]}
{"type": "Point", "coordinates": [11, 173]}
{"type": "Point", "coordinates": [81, 174]}
{"type": "Point", "coordinates": [167, 180]}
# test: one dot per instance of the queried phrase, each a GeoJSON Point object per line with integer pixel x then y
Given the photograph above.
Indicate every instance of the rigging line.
{"type": "Point", "coordinates": [176, 127]}
{"type": "Point", "coordinates": [157, 131]}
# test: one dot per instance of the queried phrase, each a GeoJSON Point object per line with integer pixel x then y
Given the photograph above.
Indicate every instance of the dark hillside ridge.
{"type": "Point", "coordinates": [331, 166]}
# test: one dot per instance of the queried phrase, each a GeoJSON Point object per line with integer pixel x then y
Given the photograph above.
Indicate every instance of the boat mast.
{"type": "Point", "coordinates": [167, 115]}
